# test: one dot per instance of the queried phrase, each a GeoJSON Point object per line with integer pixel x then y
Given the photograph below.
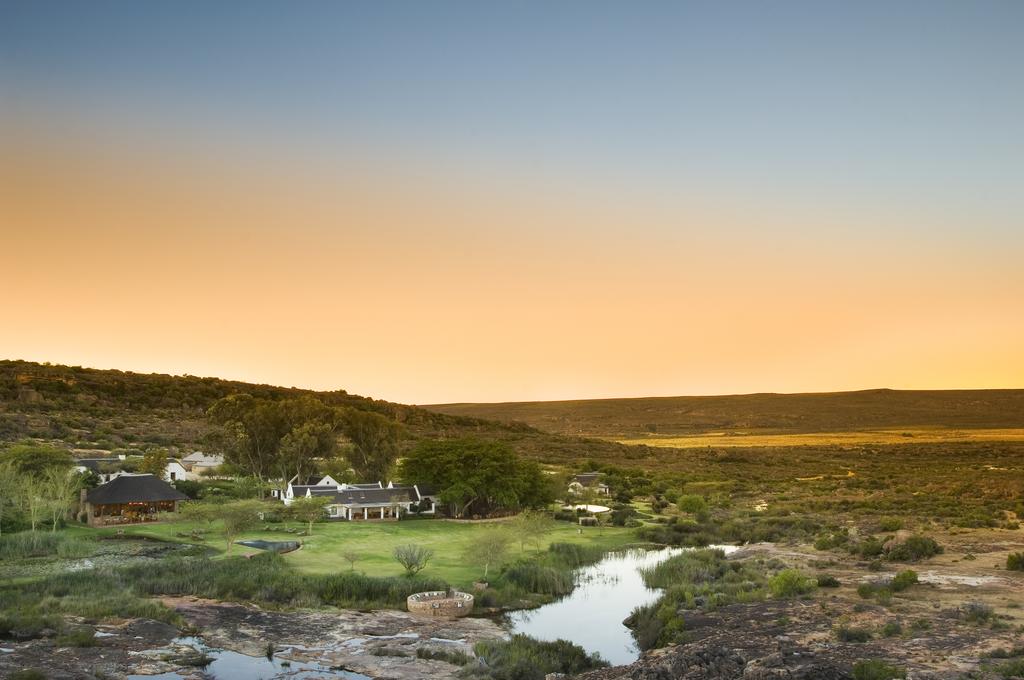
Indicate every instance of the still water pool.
{"type": "Point", "coordinates": [591, 616]}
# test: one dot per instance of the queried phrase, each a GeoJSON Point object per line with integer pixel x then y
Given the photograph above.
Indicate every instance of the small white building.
{"type": "Point", "coordinates": [174, 471]}
{"type": "Point", "coordinates": [365, 501]}
{"type": "Point", "coordinates": [588, 480]}
{"type": "Point", "coordinates": [198, 464]}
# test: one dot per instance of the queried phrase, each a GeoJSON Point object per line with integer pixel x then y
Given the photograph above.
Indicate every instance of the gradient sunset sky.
{"type": "Point", "coordinates": [470, 201]}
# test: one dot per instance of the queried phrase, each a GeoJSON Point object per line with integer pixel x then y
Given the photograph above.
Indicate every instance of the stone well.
{"type": "Point", "coordinates": [440, 603]}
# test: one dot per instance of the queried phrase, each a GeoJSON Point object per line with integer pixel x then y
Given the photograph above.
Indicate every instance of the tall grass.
{"type": "Point", "coordinates": [26, 544]}
{"type": "Point", "coordinates": [123, 591]}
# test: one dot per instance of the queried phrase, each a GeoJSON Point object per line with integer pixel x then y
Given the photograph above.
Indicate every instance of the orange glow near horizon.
{"type": "Point", "coordinates": [423, 291]}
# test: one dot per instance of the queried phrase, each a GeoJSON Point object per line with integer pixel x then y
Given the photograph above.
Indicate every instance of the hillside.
{"type": "Point", "coordinates": [665, 417]}
{"type": "Point", "coordinates": [84, 408]}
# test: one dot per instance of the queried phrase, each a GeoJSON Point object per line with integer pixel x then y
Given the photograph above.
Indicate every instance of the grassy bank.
{"type": "Point", "coordinates": [373, 543]}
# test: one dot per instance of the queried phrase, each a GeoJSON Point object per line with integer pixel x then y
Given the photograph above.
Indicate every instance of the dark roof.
{"type": "Point", "coordinates": [300, 490]}
{"type": "Point", "coordinates": [134, 488]}
{"type": "Point", "coordinates": [375, 496]}
{"type": "Point", "coordinates": [427, 489]}
{"type": "Point", "coordinates": [588, 478]}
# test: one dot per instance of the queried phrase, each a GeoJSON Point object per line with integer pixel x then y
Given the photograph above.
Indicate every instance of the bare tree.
{"type": "Point", "coordinates": [413, 558]}
{"type": "Point", "coordinates": [351, 556]}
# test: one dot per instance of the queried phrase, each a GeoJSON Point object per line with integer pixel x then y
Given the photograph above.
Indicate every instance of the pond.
{"type": "Point", "coordinates": [228, 665]}
{"type": "Point", "coordinates": [591, 616]}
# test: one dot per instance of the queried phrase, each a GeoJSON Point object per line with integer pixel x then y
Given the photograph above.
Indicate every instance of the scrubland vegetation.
{"type": "Point", "coordinates": [855, 515]}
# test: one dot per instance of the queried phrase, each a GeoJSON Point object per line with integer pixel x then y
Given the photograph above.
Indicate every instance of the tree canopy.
{"type": "Point", "coordinates": [477, 477]}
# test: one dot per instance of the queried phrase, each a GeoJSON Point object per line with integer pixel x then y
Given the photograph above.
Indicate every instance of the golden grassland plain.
{"type": "Point", "coordinates": [856, 438]}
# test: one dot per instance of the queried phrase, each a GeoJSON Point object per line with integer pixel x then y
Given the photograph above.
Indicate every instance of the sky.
{"type": "Point", "coordinates": [464, 201]}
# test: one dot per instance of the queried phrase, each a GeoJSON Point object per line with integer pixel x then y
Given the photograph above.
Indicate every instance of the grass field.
{"type": "Point", "coordinates": [887, 410]}
{"type": "Point", "coordinates": [856, 438]}
{"type": "Point", "coordinates": [321, 553]}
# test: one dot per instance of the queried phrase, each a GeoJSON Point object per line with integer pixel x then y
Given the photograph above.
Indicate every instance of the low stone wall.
{"type": "Point", "coordinates": [440, 603]}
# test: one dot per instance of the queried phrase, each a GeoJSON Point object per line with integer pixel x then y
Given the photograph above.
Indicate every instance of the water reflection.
{"type": "Point", "coordinates": [591, 616]}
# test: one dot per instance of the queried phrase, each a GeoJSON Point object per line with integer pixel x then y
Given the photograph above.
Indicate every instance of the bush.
{"type": "Point", "coordinates": [852, 634]}
{"type": "Point", "coordinates": [977, 612]}
{"type": "Point", "coordinates": [874, 669]}
{"type": "Point", "coordinates": [27, 674]}
{"type": "Point", "coordinates": [1015, 561]}
{"type": "Point", "coordinates": [80, 637]}
{"type": "Point", "coordinates": [791, 583]}
{"type": "Point", "coordinates": [452, 656]}
{"type": "Point", "coordinates": [523, 658]}
{"type": "Point", "coordinates": [890, 524]}
{"type": "Point", "coordinates": [892, 629]}
{"type": "Point", "coordinates": [904, 580]}
{"type": "Point", "coordinates": [913, 549]}
{"type": "Point", "coordinates": [827, 581]}
{"type": "Point", "coordinates": [1014, 669]}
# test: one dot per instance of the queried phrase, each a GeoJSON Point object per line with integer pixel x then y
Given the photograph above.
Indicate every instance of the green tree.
{"type": "Point", "coordinates": [476, 476]}
{"type": "Point", "coordinates": [251, 433]}
{"type": "Point", "coordinates": [238, 517]}
{"type": "Point", "coordinates": [308, 509]}
{"type": "Point", "coordinates": [531, 526]}
{"type": "Point", "coordinates": [488, 548]}
{"type": "Point", "coordinates": [267, 439]}
{"type": "Point", "coordinates": [10, 488]}
{"type": "Point", "coordinates": [60, 489]}
{"type": "Point", "coordinates": [36, 459]}
{"type": "Point", "coordinates": [375, 441]}
{"type": "Point", "coordinates": [154, 462]}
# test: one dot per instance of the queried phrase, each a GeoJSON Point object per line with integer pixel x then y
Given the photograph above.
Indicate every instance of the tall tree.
{"type": "Point", "coordinates": [476, 476]}
{"type": "Point", "coordinates": [10, 488]}
{"type": "Point", "coordinates": [375, 440]}
{"type": "Point", "coordinates": [35, 459]}
{"type": "Point", "coordinates": [251, 432]}
{"type": "Point", "coordinates": [60, 490]}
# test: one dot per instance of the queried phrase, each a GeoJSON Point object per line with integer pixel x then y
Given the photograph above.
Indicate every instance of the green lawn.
{"type": "Point", "coordinates": [322, 552]}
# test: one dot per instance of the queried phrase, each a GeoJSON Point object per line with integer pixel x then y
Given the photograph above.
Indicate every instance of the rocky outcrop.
{"type": "Point", "coordinates": [701, 662]}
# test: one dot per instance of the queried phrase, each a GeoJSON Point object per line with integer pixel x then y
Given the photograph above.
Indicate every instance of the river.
{"type": "Point", "coordinates": [591, 616]}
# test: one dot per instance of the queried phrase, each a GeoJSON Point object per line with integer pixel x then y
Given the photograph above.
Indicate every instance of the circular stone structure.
{"type": "Point", "coordinates": [440, 603]}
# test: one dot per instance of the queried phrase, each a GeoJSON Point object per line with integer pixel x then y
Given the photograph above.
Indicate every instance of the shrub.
{"type": "Point", "coordinates": [452, 656]}
{"type": "Point", "coordinates": [890, 524]}
{"type": "Point", "coordinates": [977, 612]}
{"type": "Point", "coordinates": [413, 558]}
{"type": "Point", "coordinates": [80, 637]}
{"type": "Point", "coordinates": [1015, 561]}
{"type": "Point", "coordinates": [874, 669]}
{"type": "Point", "coordinates": [904, 580]}
{"type": "Point", "coordinates": [524, 658]}
{"type": "Point", "coordinates": [827, 581]}
{"type": "Point", "coordinates": [791, 583]}
{"type": "Point", "coordinates": [869, 547]}
{"type": "Point", "coordinates": [846, 633]}
{"type": "Point", "coordinates": [27, 674]}
{"type": "Point", "coordinates": [692, 503]}
{"type": "Point", "coordinates": [1014, 669]}
{"type": "Point", "coordinates": [913, 549]}
{"type": "Point", "coordinates": [892, 629]}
